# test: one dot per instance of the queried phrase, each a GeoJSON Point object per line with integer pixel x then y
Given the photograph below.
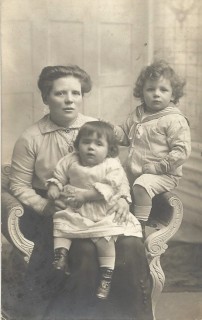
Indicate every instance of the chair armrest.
{"type": "Point", "coordinates": [167, 217]}
{"type": "Point", "coordinates": [12, 210]}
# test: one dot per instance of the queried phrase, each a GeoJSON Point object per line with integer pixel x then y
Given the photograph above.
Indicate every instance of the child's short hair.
{"type": "Point", "coordinates": [154, 72]}
{"type": "Point", "coordinates": [101, 128]}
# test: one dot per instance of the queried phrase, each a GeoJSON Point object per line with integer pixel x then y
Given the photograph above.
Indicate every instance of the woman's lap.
{"type": "Point", "coordinates": [132, 281]}
{"type": "Point", "coordinates": [78, 298]}
{"type": "Point", "coordinates": [75, 295]}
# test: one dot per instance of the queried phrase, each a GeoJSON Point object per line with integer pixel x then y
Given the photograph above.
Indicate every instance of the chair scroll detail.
{"type": "Point", "coordinates": [170, 206]}
{"type": "Point", "coordinates": [12, 210]}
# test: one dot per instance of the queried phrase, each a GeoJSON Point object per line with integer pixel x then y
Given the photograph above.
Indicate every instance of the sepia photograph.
{"type": "Point", "coordinates": [101, 159]}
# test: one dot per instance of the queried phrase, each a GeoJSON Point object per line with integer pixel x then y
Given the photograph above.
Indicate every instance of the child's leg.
{"type": "Point", "coordinates": [106, 256]}
{"type": "Point", "coordinates": [143, 203]}
{"type": "Point", "coordinates": [62, 243]}
{"type": "Point", "coordinates": [142, 206]}
{"type": "Point", "coordinates": [106, 252]}
{"type": "Point", "coordinates": [61, 250]}
{"type": "Point", "coordinates": [145, 188]}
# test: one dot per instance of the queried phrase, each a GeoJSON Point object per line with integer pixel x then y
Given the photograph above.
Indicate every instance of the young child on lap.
{"type": "Point", "coordinates": [92, 177]}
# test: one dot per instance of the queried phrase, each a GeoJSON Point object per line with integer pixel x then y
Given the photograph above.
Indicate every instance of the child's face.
{"type": "Point", "coordinates": [92, 150]}
{"type": "Point", "coordinates": [157, 94]}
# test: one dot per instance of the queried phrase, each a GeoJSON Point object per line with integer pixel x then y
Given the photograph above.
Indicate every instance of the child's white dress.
{"type": "Point", "coordinates": [91, 220]}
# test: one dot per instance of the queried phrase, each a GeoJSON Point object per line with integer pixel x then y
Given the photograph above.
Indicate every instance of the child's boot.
{"type": "Point", "coordinates": [61, 260]}
{"type": "Point", "coordinates": [105, 283]}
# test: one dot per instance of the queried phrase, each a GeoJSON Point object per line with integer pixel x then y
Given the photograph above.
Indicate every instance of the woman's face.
{"type": "Point", "coordinates": [64, 100]}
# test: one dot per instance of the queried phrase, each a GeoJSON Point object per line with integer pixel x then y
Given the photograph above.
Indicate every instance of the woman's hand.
{"type": "Point", "coordinates": [121, 209]}
{"type": "Point", "coordinates": [49, 209]}
{"type": "Point", "coordinates": [77, 197]}
{"type": "Point", "coordinates": [71, 198]}
{"type": "Point", "coordinates": [59, 204]}
{"type": "Point", "coordinates": [54, 206]}
{"type": "Point", "coordinates": [76, 200]}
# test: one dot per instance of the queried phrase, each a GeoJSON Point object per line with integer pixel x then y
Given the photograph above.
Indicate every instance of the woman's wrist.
{"type": "Point", "coordinates": [126, 198]}
{"type": "Point", "coordinates": [49, 209]}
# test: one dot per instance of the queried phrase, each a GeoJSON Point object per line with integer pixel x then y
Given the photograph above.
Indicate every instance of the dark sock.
{"type": "Point", "coordinates": [143, 225]}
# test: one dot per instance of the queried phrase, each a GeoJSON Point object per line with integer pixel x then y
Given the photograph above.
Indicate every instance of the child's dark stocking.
{"type": "Point", "coordinates": [142, 214]}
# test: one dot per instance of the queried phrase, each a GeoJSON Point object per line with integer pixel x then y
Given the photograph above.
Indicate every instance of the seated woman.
{"type": "Point", "coordinates": [35, 156]}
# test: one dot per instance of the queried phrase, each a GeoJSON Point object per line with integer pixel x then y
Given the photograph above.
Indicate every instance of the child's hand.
{"type": "Point", "coordinates": [75, 200]}
{"type": "Point", "coordinates": [53, 192]}
{"type": "Point", "coordinates": [149, 168]}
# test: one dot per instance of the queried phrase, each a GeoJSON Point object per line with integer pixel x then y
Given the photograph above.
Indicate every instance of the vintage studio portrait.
{"type": "Point", "coordinates": [101, 159]}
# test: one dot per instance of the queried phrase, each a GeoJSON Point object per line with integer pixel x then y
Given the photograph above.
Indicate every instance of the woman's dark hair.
{"type": "Point", "coordinates": [154, 72]}
{"type": "Point", "coordinates": [51, 73]}
{"type": "Point", "coordinates": [101, 128]}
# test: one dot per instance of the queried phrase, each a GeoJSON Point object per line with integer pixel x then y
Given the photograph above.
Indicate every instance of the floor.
{"type": "Point", "coordinates": [179, 306]}
{"type": "Point", "coordinates": [182, 296]}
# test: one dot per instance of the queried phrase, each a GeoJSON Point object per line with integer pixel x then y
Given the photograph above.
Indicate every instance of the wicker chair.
{"type": "Point", "coordinates": [165, 219]}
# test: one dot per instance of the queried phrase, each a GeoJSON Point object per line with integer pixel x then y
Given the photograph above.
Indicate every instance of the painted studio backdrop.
{"type": "Point", "coordinates": [112, 40]}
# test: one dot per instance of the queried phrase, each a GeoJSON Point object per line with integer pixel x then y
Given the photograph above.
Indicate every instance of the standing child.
{"type": "Point", "coordinates": [92, 177]}
{"type": "Point", "coordinates": [158, 137]}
